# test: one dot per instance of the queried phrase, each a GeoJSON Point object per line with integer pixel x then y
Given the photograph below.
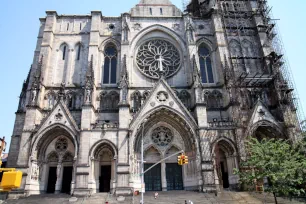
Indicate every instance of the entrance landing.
{"type": "Point", "coordinates": [175, 197]}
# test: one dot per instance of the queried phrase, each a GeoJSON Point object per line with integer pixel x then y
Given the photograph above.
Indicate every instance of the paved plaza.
{"type": "Point", "coordinates": [175, 197]}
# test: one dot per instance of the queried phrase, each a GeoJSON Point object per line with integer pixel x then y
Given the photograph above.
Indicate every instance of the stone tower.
{"type": "Point", "coordinates": [199, 81]}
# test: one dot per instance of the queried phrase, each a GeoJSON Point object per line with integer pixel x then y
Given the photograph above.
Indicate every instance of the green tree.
{"type": "Point", "coordinates": [283, 164]}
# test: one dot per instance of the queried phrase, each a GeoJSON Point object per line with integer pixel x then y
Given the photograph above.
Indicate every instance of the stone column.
{"type": "Point", "coordinates": [208, 171]}
{"type": "Point", "coordinates": [92, 180]}
{"type": "Point", "coordinates": [164, 176]}
{"type": "Point", "coordinates": [59, 174]}
{"type": "Point", "coordinates": [97, 174]}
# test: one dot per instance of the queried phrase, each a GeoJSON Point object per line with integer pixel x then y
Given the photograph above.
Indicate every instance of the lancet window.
{"type": "Point", "coordinates": [110, 65]}
{"type": "Point", "coordinates": [205, 64]}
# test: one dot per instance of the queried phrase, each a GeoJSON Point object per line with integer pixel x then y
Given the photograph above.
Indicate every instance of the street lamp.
{"type": "Point", "coordinates": [142, 162]}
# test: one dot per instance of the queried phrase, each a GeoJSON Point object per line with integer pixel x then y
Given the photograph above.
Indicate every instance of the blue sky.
{"type": "Point", "coordinates": [19, 28]}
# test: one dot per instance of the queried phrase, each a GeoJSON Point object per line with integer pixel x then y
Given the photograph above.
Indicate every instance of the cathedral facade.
{"type": "Point", "coordinates": [200, 81]}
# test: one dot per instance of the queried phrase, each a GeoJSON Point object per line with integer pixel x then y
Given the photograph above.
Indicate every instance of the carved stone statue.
{"type": "Point", "coordinates": [125, 29]}
{"type": "Point", "coordinates": [88, 96]}
{"type": "Point", "coordinates": [189, 29]}
{"type": "Point", "coordinates": [34, 95]}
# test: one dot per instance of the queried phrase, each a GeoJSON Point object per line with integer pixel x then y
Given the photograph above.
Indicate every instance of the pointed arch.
{"type": "Point", "coordinates": [205, 61]}
{"type": "Point", "coordinates": [52, 157]}
{"type": "Point", "coordinates": [94, 150]}
{"type": "Point", "coordinates": [68, 157]}
{"type": "Point", "coordinates": [110, 64]}
{"type": "Point", "coordinates": [266, 129]}
{"type": "Point", "coordinates": [63, 48]}
{"type": "Point", "coordinates": [79, 49]}
{"type": "Point", "coordinates": [227, 145]}
{"type": "Point", "coordinates": [60, 72]}
{"type": "Point", "coordinates": [152, 154]}
{"type": "Point", "coordinates": [46, 136]}
{"type": "Point", "coordinates": [171, 117]}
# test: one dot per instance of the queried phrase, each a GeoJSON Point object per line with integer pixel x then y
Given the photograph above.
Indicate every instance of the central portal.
{"type": "Point", "coordinates": [174, 177]}
{"type": "Point", "coordinates": [105, 178]}
{"type": "Point", "coordinates": [152, 178]}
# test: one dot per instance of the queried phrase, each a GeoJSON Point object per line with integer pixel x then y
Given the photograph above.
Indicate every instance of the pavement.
{"type": "Point", "coordinates": [172, 197]}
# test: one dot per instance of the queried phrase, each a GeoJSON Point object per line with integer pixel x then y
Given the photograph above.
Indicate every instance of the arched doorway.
{"type": "Point", "coordinates": [52, 161]}
{"type": "Point", "coordinates": [103, 165]}
{"type": "Point", "coordinates": [167, 133]}
{"type": "Point", "coordinates": [225, 160]}
{"type": "Point", "coordinates": [54, 169]}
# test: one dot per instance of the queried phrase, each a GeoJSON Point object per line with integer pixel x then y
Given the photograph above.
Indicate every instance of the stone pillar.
{"type": "Point", "coordinates": [114, 175]}
{"type": "Point", "coordinates": [164, 176]}
{"type": "Point", "coordinates": [123, 161]}
{"type": "Point", "coordinates": [59, 180]}
{"type": "Point", "coordinates": [97, 174]}
{"type": "Point", "coordinates": [207, 167]}
{"type": "Point", "coordinates": [92, 179]}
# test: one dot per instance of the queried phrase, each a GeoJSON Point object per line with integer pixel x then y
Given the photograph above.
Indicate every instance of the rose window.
{"type": "Point", "coordinates": [162, 136]}
{"type": "Point", "coordinates": [61, 144]}
{"type": "Point", "coordinates": [158, 57]}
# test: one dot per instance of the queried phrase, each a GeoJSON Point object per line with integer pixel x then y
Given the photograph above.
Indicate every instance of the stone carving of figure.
{"type": "Point", "coordinates": [190, 29]}
{"type": "Point", "coordinates": [125, 29]}
{"type": "Point", "coordinates": [88, 96]}
{"type": "Point", "coordinates": [58, 169]}
{"type": "Point", "coordinates": [34, 95]}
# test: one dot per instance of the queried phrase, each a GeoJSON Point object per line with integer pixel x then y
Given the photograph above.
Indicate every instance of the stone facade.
{"type": "Point", "coordinates": [99, 84]}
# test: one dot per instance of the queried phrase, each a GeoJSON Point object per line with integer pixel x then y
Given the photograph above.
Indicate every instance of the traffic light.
{"type": "Point", "coordinates": [179, 160]}
{"type": "Point", "coordinates": [185, 160]}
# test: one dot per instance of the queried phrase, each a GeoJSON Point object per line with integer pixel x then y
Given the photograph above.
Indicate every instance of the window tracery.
{"type": "Point", "coordinates": [68, 157]}
{"type": "Point", "coordinates": [110, 65]}
{"type": "Point", "coordinates": [52, 157]}
{"type": "Point", "coordinates": [162, 136]}
{"type": "Point", "coordinates": [109, 101]}
{"type": "Point", "coordinates": [205, 64]}
{"type": "Point", "coordinates": [61, 144]}
{"type": "Point", "coordinates": [158, 57]}
{"type": "Point", "coordinates": [213, 99]}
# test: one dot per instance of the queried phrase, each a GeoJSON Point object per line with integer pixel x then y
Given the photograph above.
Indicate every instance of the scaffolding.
{"type": "Point", "coordinates": [287, 83]}
{"type": "Point", "coordinates": [238, 21]}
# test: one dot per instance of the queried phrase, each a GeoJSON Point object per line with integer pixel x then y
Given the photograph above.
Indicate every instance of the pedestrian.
{"type": "Point", "coordinates": [186, 202]}
{"type": "Point", "coordinates": [155, 195]}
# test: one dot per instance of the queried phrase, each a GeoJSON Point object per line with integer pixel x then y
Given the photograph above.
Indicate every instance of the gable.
{"type": "Point", "coordinates": [162, 96]}
{"type": "Point", "coordinates": [59, 115]}
{"type": "Point", "coordinates": [261, 113]}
